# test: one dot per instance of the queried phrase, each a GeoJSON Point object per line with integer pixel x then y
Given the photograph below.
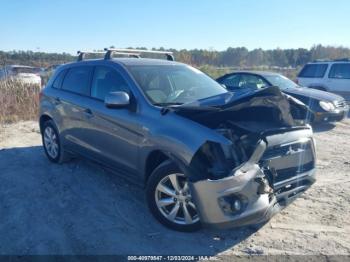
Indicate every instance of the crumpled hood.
{"type": "Point", "coordinates": [313, 93]}
{"type": "Point", "coordinates": [265, 105]}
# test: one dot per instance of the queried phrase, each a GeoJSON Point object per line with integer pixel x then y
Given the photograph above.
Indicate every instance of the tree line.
{"type": "Point", "coordinates": [231, 57]}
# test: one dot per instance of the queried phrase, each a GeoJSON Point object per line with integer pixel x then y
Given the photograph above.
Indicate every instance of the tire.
{"type": "Point", "coordinates": [178, 201]}
{"type": "Point", "coordinates": [50, 136]}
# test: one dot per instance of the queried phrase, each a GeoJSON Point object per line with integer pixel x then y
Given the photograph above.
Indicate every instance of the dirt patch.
{"type": "Point", "coordinates": [78, 208]}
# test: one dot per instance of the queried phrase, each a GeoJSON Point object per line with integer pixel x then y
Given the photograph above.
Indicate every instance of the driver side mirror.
{"type": "Point", "coordinates": [117, 99]}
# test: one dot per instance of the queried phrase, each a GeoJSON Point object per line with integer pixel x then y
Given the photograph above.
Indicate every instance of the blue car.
{"type": "Point", "coordinates": [324, 106]}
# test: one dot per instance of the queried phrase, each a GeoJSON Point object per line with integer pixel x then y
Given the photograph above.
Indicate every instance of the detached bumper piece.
{"type": "Point", "coordinates": [273, 177]}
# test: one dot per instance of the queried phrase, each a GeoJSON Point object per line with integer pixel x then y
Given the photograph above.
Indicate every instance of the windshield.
{"type": "Point", "coordinates": [175, 84]}
{"type": "Point", "coordinates": [20, 70]}
{"type": "Point", "coordinates": [281, 81]}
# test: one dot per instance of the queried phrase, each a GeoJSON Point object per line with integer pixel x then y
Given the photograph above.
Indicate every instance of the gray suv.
{"type": "Point", "coordinates": [205, 156]}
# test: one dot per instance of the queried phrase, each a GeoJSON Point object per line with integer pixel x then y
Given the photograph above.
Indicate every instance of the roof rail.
{"type": "Point", "coordinates": [136, 52]}
{"type": "Point", "coordinates": [81, 54]}
{"type": "Point", "coordinates": [109, 53]}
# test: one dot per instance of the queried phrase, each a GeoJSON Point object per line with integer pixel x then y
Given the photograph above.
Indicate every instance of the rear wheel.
{"type": "Point", "coordinates": [169, 198]}
{"type": "Point", "coordinates": [52, 144]}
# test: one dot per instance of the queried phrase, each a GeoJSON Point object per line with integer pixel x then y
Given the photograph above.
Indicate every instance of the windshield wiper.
{"type": "Point", "coordinates": [168, 104]}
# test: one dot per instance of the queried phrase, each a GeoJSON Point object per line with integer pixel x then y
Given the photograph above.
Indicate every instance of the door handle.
{"type": "Point", "coordinates": [88, 112]}
{"type": "Point", "coordinates": [57, 101]}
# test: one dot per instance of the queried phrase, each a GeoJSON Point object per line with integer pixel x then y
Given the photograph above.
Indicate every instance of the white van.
{"type": "Point", "coordinates": [22, 74]}
{"type": "Point", "coordinates": [332, 76]}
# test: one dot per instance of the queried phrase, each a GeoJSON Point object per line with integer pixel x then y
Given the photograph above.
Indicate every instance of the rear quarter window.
{"type": "Point", "coordinates": [231, 80]}
{"type": "Point", "coordinates": [340, 71]}
{"type": "Point", "coordinates": [313, 71]}
{"type": "Point", "coordinates": [77, 80]}
{"type": "Point", "coordinates": [57, 83]}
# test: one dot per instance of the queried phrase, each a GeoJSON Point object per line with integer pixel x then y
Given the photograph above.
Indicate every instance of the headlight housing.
{"type": "Point", "coordinates": [327, 106]}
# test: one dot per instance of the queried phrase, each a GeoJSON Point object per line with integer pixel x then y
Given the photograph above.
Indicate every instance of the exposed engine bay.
{"type": "Point", "coordinates": [245, 121]}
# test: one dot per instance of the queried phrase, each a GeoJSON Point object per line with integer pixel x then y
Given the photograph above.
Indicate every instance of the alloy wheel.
{"type": "Point", "coordinates": [174, 200]}
{"type": "Point", "coordinates": [51, 142]}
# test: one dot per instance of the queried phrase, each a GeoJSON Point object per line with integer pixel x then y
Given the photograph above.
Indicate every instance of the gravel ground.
{"type": "Point", "coordinates": [78, 208]}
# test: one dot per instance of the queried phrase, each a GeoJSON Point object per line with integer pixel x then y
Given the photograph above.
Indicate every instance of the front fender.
{"type": "Point", "coordinates": [178, 144]}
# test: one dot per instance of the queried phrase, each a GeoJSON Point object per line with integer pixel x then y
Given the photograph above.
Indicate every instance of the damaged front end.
{"type": "Point", "coordinates": [269, 161]}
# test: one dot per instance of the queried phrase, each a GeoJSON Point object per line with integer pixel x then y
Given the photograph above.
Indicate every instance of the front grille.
{"type": "Point", "coordinates": [288, 173]}
{"type": "Point", "coordinates": [278, 151]}
{"type": "Point", "coordinates": [285, 194]}
{"type": "Point", "coordinates": [340, 104]}
{"type": "Point", "coordinates": [284, 162]}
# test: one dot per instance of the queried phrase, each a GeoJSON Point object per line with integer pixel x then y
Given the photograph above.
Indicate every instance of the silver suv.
{"type": "Point", "coordinates": [205, 156]}
{"type": "Point", "coordinates": [332, 76]}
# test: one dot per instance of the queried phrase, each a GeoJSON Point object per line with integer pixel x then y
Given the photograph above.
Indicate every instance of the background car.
{"type": "Point", "coordinates": [22, 74]}
{"type": "Point", "coordinates": [324, 106]}
{"type": "Point", "coordinates": [52, 68]}
{"type": "Point", "coordinates": [332, 76]}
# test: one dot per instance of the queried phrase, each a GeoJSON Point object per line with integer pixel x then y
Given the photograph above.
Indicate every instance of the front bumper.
{"type": "Point", "coordinates": [339, 115]}
{"type": "Point", "coordinates": [259, 197]}
{"type": "Point", "coordinates": [259, 207]}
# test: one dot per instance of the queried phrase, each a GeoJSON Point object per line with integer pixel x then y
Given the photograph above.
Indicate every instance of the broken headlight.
{"type": "Point", "coordinates": [215, 161]}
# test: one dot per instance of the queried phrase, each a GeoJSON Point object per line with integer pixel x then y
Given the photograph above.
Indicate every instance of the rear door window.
{"type": "Point", "coordinates": [340, 71]}
{"type": "Point", "coordinates": [251, 82]}
{"type": "Point", "coordinates": [313, 71]}
{"type": "Point", "coordinates": [231, 81]}
{"type": "Point", "coordinates": [77, 80]}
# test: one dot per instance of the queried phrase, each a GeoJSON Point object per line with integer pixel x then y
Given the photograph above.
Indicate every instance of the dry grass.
{"type": "Point", "coordinates": [18, 101]}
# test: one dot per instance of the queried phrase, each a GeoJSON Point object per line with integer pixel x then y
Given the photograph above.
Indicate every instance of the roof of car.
{"type": "Point", "coordinates": [126, 62]}
{"type": "Point", "coordinates": [262, 73]}
{"type": "Point", "coordinates": [21, 66]}
{"type": "Point", "coordinates": [144, 61]}
{"type": "Point", "coordinates": [320, 61]}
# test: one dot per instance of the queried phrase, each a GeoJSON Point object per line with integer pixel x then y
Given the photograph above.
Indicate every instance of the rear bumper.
{"type": "Point", "coordinates": [26, 80]}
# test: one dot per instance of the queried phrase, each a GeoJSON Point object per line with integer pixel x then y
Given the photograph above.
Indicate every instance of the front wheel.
{"type": "Point", "coordinates": [169, 198]}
